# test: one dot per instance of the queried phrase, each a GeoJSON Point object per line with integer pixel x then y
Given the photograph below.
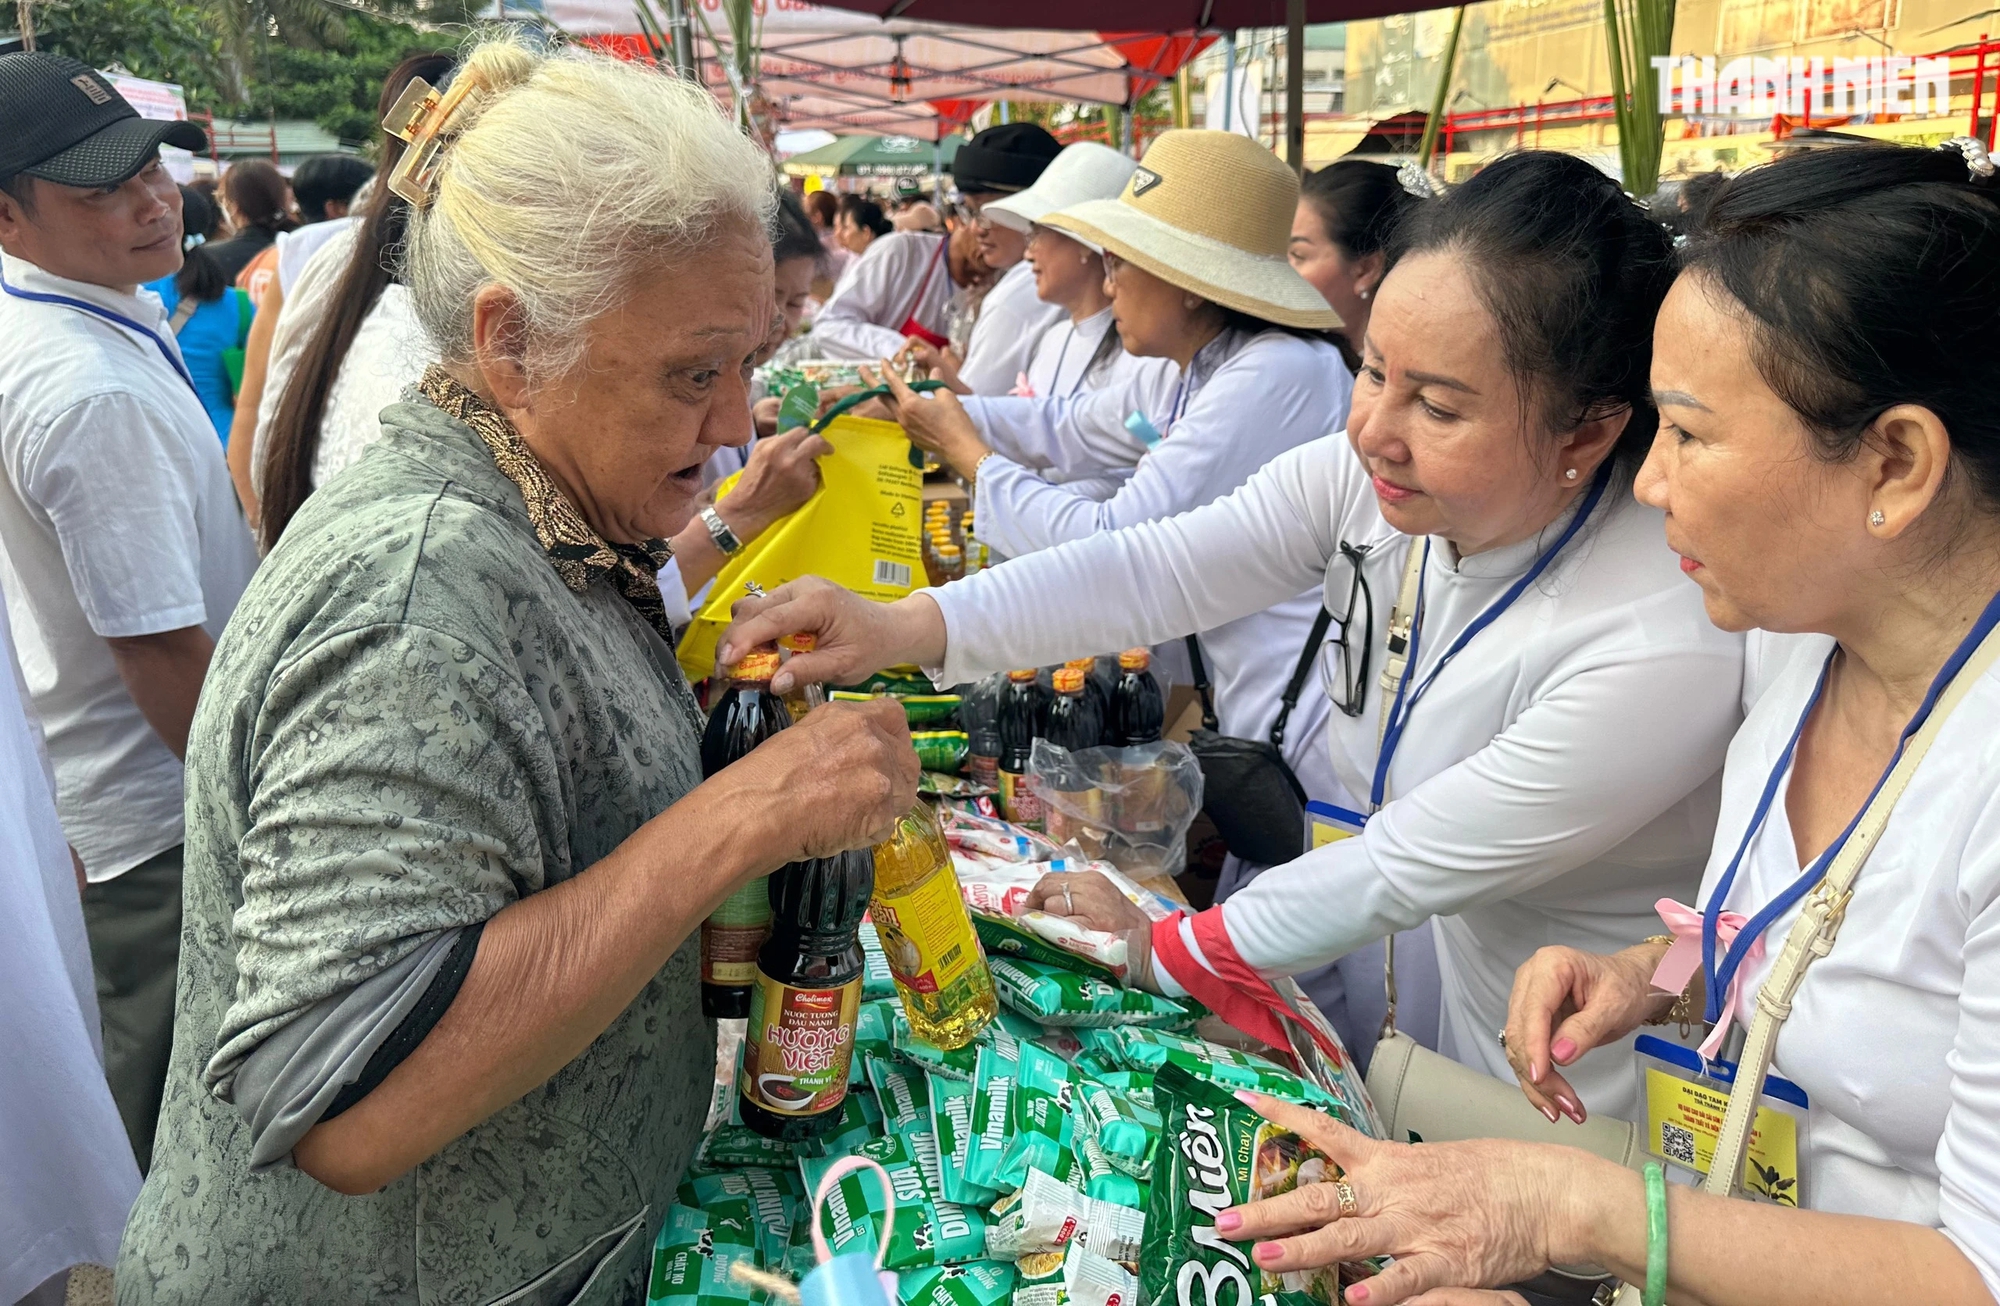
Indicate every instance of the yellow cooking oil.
{"type": "Point", "coordinates": [934, 953]}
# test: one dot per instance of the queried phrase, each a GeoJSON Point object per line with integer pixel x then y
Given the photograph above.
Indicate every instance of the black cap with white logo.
{"type": "Point", "coordinates": [60, 120]}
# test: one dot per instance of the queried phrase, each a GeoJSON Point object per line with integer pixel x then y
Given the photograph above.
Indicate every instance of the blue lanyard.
{"type": "Point", "coordinates": [1719, 977]}
{"type": "Point", "coordinates": [173, 359]}
{"type": "Point", "coordinates": [1407, 699]}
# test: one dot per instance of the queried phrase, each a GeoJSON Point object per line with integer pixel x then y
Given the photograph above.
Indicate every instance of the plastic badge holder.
{"type": "Point", "coordinates": [1685, 1097]}
{"type": "Point", "coordinates": [850, 1280]}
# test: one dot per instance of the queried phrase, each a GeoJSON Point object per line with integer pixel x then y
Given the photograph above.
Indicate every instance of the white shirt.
{"type": "Point", "coordinates": [1032, 430]}
{"type": "Point", "coordinates": [1556, 780]}
{"type": "Point", "coordinates": [902, 274]}
{"type": "Point", "coordinates": [1253, 398]}
{"type": "Point", "coordinates": [1895, 1034]}
{"type": "Point", "coordinates": [387, 355]}
{"type": "Point", "coordinates": [1012, 318]}
{"type": "Point", "coordinates": [67, 1178]}
{"type": "Point", "coordinates": [117, 518]}
{"type": "Point", "coordinates": [296, 247]}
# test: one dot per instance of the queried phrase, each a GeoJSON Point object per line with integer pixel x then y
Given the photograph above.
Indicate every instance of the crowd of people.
{"type": "Point", "coordinates": [1643, 567]}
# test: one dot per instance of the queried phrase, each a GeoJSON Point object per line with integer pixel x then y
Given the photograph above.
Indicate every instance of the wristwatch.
{"type": "Point", "coordinates": [725, 539]}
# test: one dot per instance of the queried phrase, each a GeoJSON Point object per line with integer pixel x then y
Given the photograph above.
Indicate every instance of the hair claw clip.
{"type": "Point", "coordinates": [421, 116]}
{"type": "Point", "coordinates": [1978, 162]}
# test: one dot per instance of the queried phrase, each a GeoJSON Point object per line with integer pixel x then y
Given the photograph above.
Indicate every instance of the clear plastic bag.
{"type": "Point", "coordinates": [1128, 806]}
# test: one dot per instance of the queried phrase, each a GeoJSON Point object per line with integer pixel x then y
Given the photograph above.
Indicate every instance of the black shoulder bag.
{"type": "Point", "coordinates": [1248, 789]}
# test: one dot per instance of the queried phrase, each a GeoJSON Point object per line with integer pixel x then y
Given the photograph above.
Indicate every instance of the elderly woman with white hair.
{"type": "Point", "coordinates": [438, 1034]}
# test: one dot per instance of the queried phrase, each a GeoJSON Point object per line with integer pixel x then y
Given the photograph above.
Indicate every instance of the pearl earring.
{"type": "Point", "coordinates": [1570, 475]}
{"type": "Point", "coordinates": [1364, 294]}
{"type": "Point", "coordinates": [1876, 518]}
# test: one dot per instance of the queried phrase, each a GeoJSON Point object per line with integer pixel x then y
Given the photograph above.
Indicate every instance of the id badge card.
{"type": "Point", "coordinates": [1685, 1098]}
{"type": "Point", "coordinates": [1326, 823]}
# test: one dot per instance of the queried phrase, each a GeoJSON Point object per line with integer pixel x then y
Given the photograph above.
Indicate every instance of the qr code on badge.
{"type": "Point", "coordinates": [1676, 1143]}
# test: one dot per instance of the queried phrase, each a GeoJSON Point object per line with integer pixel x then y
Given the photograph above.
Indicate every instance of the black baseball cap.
{"type": "Point", "coordinates": [1007, 158]}
{"type": "Point", "coordinates": [60, 120]}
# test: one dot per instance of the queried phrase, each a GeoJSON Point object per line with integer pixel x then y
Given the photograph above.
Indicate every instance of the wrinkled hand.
{"type": "Point", "coordinates": [937, 422]}
{"type": "Point", "coordinates": [838, 779]}
{"type": "Point", "coordinates": [783, 472]}
{"type": "Point", "coordinates": [1566, 1002]}
{"type": "Point", "coordinates": [852, 637]}
{"type": "Point", "coordinates": [1454, 1215]}
{"type": "Point", "coordinates": [764, 415]}
{"type": "Point", "coordinates": [1093, 902]}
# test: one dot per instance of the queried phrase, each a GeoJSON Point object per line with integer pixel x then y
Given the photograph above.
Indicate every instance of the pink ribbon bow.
{"type": "Point", "coordinates": [1684, 958]}
{"type": "Point", "coordinates": [1023, 387]}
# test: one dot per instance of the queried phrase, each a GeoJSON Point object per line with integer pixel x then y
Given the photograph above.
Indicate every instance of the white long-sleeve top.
{"type": "Point", "coordinates": [1557, 779]}
{"type": "Point", "coordinates": [1895, 1034]}
{"type": "Point", "coordinates": [1248, 399]}
{"type": "Point", "coordinates": [1012, 319]}
{"type": "Point", "coordinates": [902, 274]}
{"type": "Point", "coordinates": [1027, 428]}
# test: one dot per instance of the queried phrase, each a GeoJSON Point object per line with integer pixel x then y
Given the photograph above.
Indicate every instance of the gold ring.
{"type": "Point", "coordinates": [1344, 1192]}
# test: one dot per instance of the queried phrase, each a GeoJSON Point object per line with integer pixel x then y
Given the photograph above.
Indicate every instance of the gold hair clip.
{"type": "Point", "coordinates": [421, 116]}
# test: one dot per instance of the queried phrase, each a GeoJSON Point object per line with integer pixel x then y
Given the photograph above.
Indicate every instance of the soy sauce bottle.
{"type": "Point", "coordinates": [807, 993]}
{"type": "Point", "coordinates": [745, 716]}
{"type": "Point", "coordinates": [1096, 688]}
{"type": "Point", "coordinates": [1020, 721]}
{"type": "Point", "coordinates": [1071, 802]}
{"type": "Point", "coordinates": [1138, 712]}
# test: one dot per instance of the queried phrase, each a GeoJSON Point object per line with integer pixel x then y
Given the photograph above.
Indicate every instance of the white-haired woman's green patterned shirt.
{"type": "Point", "coordinates": [441, 693]}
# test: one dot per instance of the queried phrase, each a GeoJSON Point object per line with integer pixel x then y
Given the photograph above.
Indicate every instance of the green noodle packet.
{"type": "Point", "coordinates": [959, 1063]}
{"type": "Point", "coordinates": [1038, 1115]}
{"type": "Point", "coordinates": [1047, 1214]}
{"type": "Point", "coordinates": [903, 1093]}
{"type": "Point", "coordinates": [951, 1123]}
{"type": "Point", "coordinates": [695, 1251]}
{"type": "Point", "coordinates": [873, 1023]}
{"type": "Point", "coordinates": [975, 1283]}
{"type": "Point", "coordinates": [1125, 1130]}
{"type": "Point", "coordinates": [1153, 1049]}
{"type": "Point", "coordinates": [1103, 1180]}
{"type": "Point", "coordinates": [774, 1196]}
{"type": "Point", "coordinates": [992, 1092]}
{"type": "Point", "coordinates": [1217, 1153]}
{"type": "Point", "coordinates": [1055, 996]}
{"type": "Point", "coordinates": [929, 1230]}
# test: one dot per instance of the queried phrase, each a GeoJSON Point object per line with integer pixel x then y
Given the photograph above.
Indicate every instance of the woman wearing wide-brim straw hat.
{"type": "Point", "coordinates": [1195, 261]}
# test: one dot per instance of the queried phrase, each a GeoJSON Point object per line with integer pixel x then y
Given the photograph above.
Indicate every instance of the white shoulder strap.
{"type": "Point", "coordinates": [1394, 667]}
{"type": "Point", "coordinates": [1819, 921]}
{"type": "Point", "coordinates": [1401, 617]}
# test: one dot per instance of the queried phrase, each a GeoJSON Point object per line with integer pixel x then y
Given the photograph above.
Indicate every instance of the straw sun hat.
{"type": "Point", "coordinates": [1210, 212]}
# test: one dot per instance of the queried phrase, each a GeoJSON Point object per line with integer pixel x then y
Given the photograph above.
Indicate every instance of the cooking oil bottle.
{"type": "Point", "coordinates": [934, 954]}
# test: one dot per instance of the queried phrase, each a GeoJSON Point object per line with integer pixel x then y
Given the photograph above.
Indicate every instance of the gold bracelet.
{"type": "Point", "coordinates": [1682, 1011]}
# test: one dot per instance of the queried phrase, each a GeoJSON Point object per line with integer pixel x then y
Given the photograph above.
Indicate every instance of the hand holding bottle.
{"type": "Point", "coordinates": [841, 777]}
{"type": "Point", "coordinates": [852, 637]}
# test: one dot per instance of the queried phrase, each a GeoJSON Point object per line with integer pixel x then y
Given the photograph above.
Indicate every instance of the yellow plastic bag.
{"type": "Point", "coordinates": [859, 531]}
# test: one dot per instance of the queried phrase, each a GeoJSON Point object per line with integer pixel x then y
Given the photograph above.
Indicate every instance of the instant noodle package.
{"type": "Point", "coordinates": [1074, 1154]}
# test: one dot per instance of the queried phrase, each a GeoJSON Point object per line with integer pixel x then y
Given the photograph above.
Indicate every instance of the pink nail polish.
{"type": "Point", "coordinates": [1228, 1222]}
{"type": "Point", "coordinates": [1267, 1253]}
{"type": "Point", "coordinates": [1563, 1050]}
{"type": "Point", "coordinates": [1247, 1098]}
{"type": "Point", "coordinates": [1535, 1072]}
{"type": "Point", "coordinates": [1549, 1112]}
{"type": "Point", "coordinates": [1359, 1294]}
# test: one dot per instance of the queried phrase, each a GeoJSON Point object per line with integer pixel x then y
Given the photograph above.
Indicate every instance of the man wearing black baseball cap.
{"type": "Point", "coordinates": [122, 549]}
{"type": "Point", "coordinates": [1001, 161]}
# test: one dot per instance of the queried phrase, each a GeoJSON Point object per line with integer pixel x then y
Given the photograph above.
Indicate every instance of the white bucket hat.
{"type": "Point", "coordinates": [1083, 171]}
{"type": "Point", "coordinates": [1210, 212]}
